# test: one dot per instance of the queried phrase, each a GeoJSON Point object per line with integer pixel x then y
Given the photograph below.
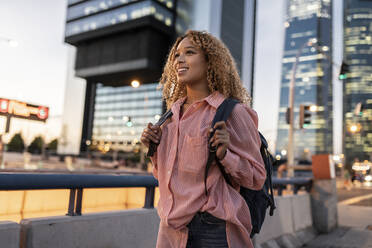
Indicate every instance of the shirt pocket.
{"type": "Point", "coordinates": [194, 154]}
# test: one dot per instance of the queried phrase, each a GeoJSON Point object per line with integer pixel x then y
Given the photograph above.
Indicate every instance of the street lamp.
{"type": "Point", "coordinates": [290, 156]}
{"type": "Point", "coordinates": [135, 83]}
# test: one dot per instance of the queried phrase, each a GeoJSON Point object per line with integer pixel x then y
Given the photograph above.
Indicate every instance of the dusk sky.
{"type": "Point", "coordinates": [35, 71]}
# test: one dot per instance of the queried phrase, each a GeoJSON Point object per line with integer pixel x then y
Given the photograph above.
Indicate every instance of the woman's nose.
{"type": "Point", "coordinates": [181, 58]}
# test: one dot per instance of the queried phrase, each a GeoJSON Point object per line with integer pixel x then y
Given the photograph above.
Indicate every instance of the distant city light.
{"type": "Point", "coordinates": [88, 142]}
{"type": "Point", "coordinates": [313, 108]}
{"type": "Point", "coordinates": [125, 118]}
{"type": "Point", "coordinates": [129, 122]}
{"type": "Point", "coordinates": [278, 157]}
{"type": "Point", "coordinates": [336, 158]}
{"type": "Point", "coordinates": [286, 24]}
{"type": "Point", "coordinates": [135, 83]}
{"type": "Point", "coordinates": [368, 178]}
{"type": "Point", "coordinates": [353, 128]}
{"type": "Point", "coordinates": [283, 152]}
{"type": "Point", "coordinates": [157, 117]}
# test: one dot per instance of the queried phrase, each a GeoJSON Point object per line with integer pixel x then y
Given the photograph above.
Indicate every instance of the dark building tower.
{"type": "Point", "coordinates": [117, 43]}
{"type": "Point", "coordinates": [308, 39]}
{"type": "Point", "coordinates": [357, 109]}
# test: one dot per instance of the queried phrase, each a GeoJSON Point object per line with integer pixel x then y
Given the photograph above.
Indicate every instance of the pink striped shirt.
{"type": "Point", "coordinates": [179, 165]}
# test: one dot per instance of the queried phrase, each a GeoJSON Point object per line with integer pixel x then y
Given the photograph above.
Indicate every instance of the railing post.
{"type": "Point", "coordinates": [79, 201]}
{"type": "Point", "coordinates": [149, 198]}
{"type": "Point", "coordinates": [71, 204]}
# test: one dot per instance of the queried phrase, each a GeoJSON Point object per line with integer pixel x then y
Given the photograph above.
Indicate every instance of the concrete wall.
{"type": "Point", "coordinates": [130, 228]}
{"type": "Point", "coordinates": [292, 214]}
{"type": "Point", "coordinates": [9, 234]}
{"type": "Point", "coordinates": [135, 228]}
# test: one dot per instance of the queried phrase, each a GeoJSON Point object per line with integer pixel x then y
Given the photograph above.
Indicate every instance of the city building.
{"type": "Point", "coordinates": [118, 50]}
{"type": "Point", "coordinates": [357, 97]}
{"type": "Point", "coordinates": [308, 39]}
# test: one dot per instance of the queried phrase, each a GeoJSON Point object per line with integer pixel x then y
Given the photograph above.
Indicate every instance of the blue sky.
{"type": "Point", "coordinates": [35, 71]}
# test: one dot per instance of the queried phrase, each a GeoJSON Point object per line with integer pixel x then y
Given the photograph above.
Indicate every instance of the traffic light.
{"type": "Point", "coordinates": [343, 71]}
{"type": "Point", "coordinates": [305, 115]}
{"type": "Point", "coordinates": [358, 110]}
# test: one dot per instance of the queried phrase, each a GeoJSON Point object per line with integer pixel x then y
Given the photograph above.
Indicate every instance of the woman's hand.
{"type": "Point", "coordinates": [151, 133]}
{"type": "Point", "coordinates": [220, 139]}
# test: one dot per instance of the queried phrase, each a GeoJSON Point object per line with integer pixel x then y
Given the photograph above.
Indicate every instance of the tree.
{"type": "Point", "coordinates": [52, 146]}
{"type": "Point", "coordinates": [36, 145]}
{"type": "Point", "coordinates": [16, 144]}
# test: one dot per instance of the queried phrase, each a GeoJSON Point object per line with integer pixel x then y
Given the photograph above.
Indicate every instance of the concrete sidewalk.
{"type": "Point", "coordinates": [355, 229]}
{"type": "Point", "coordinates": [343, 237]}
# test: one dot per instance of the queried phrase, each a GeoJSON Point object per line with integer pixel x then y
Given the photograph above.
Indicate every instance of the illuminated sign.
{"type": "Point", "coordinates": [13, 108]}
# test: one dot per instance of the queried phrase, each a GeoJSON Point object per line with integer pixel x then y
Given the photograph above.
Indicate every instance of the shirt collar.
{"type": "Point", "coordinates": [214, 99]}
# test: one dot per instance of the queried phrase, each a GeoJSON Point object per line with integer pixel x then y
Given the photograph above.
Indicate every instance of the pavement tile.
{"type": "Point", "coordinates": [343, 237]}
{"type": "Point", "coordinates": [270, 244]}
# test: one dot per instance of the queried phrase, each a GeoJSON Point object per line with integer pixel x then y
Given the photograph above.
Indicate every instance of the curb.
{"type": "Point", "coordinates": [296, 240]}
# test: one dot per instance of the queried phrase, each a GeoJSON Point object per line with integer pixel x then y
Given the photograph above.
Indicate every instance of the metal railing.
{"type": "Point", "coordinates": [76, 183]}
{"type": "Point", "coordinates": [297, 183]}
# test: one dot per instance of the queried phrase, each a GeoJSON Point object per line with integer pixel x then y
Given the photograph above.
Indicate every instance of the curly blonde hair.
{"type": "Point", "coordinates": [222, 74]}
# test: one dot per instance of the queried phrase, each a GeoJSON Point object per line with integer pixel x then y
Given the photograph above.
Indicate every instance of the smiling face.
{"type": "Point", "coordinates": [190, 63]}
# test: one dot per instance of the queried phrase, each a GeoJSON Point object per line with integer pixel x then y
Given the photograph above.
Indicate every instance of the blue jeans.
{"type": "Point", "coordinates": [206, 231]}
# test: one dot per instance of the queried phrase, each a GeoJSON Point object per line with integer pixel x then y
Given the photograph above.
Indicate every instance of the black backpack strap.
{"type": "Point", "coordinates": [267, 155]}
{"type": "Point", "coordinates": [222, 114]}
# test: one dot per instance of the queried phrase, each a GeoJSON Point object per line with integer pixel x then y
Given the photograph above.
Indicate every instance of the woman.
{"type": "Point", "coordinates": [199, 74]}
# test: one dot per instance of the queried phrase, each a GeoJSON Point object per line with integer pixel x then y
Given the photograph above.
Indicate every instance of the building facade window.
{"type": "Point", "coordinates": [307, 20]}
{"type": "Point", "coordinates": [358, 84]}
{"type": "Point", "coordinates": [114, 16]}
{"type": "Point", "coordinates": [121, 114]}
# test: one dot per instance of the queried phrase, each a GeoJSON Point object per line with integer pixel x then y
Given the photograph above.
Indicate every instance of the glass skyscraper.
{"type": "Point", "coordinates": [307, 20]}
{"type": "Point", "coordinates": [358, 84]}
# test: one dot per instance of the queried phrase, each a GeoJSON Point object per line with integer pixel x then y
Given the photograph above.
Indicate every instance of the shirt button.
{"type": "Point", "coordinates": [170, 197]}
{"type": "Point", "coordinates": [169, 172]}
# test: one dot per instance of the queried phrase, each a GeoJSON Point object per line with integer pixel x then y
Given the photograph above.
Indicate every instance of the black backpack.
{"type": "Point", "coordinates": [258, 200]}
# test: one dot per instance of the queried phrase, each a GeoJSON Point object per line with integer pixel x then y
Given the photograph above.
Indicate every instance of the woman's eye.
{"type": "Point", "coordinates": [189, 52]}
{"type": "Point", "coordinates": [176, 55]}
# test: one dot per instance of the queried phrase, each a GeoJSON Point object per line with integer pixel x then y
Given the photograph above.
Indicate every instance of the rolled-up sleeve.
{"type": "Point", "coordinates": [243, 161]}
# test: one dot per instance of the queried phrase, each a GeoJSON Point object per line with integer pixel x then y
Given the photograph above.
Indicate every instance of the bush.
{"type": "Point", "coordinates": [36, 145]}
{"type": "Point", "coordinates": [52, 146]}
{"type": "Point", "coordinates": [16, 144]}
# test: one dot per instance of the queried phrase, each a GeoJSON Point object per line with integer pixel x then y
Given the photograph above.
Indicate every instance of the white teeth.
{"type": "Point", "coordinates": [182, 69]}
